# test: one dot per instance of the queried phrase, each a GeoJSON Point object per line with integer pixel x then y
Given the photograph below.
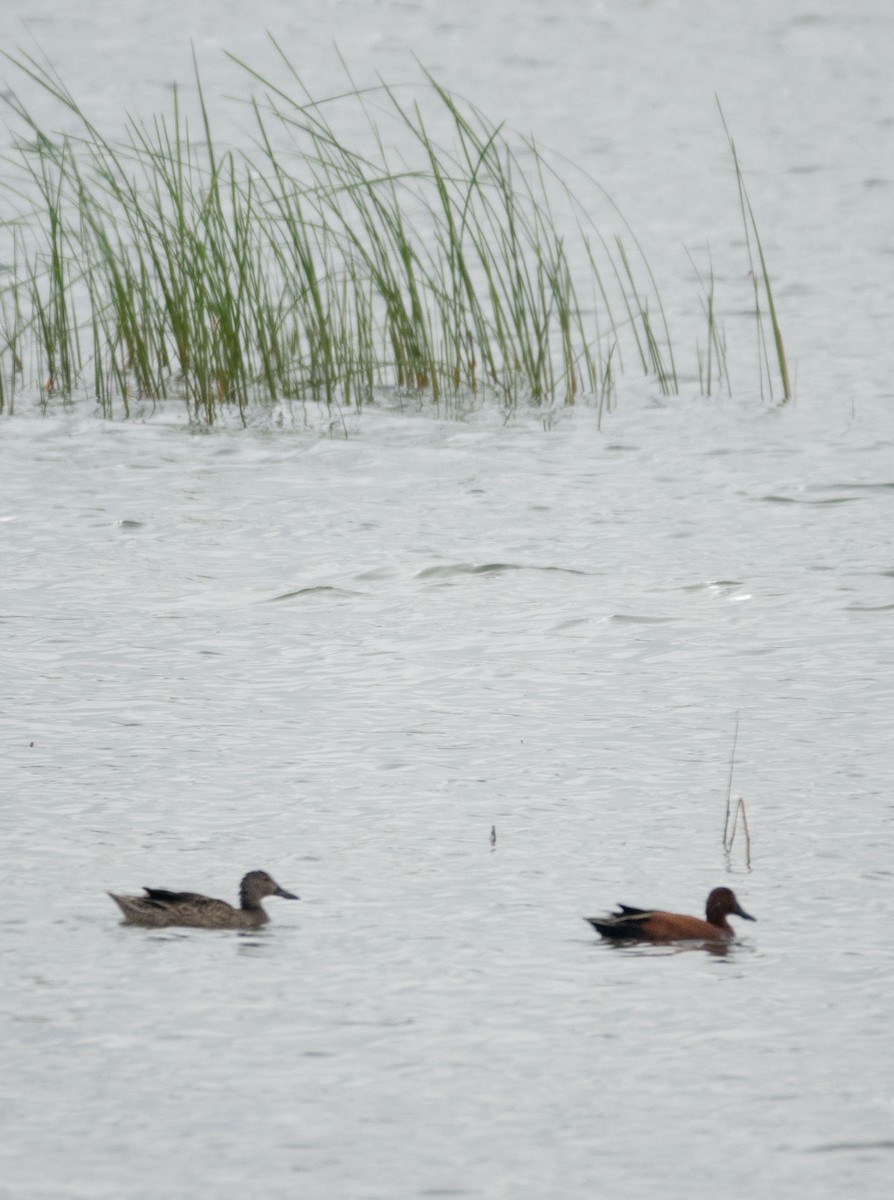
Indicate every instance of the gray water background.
{"type": "Point", "coordinates": [344, 660]}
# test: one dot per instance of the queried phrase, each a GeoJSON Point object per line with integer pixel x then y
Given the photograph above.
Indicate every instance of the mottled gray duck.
{"type": "Point", "coordinates": [160, 907]}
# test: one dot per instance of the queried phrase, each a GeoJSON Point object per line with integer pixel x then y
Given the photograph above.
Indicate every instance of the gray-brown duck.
{"type": "Point", "coordinates": [160, 907]}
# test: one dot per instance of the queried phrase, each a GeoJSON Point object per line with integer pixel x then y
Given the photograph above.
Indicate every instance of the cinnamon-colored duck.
{"type": "Point", "coordinates": [652, 925]}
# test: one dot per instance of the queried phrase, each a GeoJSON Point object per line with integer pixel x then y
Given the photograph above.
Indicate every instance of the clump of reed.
{"type": "Point", "coordinates": [158, 265]}
{"type": "Point", "coordinates": [760, 278]}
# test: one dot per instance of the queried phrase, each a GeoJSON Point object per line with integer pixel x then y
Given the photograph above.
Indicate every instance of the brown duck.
{"type": "Point", "coordinates": [159, 907]}
{"type": "Point", "coordinates": [652, 925]}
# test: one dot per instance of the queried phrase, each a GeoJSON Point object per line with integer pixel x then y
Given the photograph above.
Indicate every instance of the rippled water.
{"type": "Point", "coordinates": [346, 660]}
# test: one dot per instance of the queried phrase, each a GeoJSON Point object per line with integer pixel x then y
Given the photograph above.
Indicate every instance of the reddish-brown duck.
{"type": "Point", "coordinates": [652, 925]}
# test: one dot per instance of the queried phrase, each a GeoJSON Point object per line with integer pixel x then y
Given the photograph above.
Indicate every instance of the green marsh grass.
{"type": "Point", "coordinates": [713, 368]}
{"type": "Point", "coordinates": [761, 284]}
{"type": "Point", "coordinates": [456, 268]}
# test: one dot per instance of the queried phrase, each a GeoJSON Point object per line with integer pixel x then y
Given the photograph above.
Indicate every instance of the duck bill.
{"type": "Point", "coordinates": [740, 912]}
{"type": "Point", "coordinates": [286, 895]}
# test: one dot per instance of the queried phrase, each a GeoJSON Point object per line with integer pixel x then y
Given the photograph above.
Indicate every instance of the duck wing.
{"type": "Point", "coordinates": [628, 922]}
{"type": "Point", "coordinates": [165, 899]}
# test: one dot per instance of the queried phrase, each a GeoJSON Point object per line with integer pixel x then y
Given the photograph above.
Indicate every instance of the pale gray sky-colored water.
{"type": "Point", "coordinates": [344, 660]}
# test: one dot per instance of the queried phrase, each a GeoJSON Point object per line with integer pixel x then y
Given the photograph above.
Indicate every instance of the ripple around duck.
{"type": "Point", "coordinates": [775, 498]}
{"type": "Point", "coordinates": [494, 568]}
{"type": "Point", "coordinates": [640, 619]}
{"type": "Point", "coordinates": [716, 586]}
{"type": "Point", "coordinates": [315, 590]}
{"type": "Point", "coordinates": [860, 487]}
{"type": "Point", "coordinates": [852, 1147]}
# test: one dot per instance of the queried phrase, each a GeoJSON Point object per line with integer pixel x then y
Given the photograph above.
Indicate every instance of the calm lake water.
{"type": "Point", "coordinates": [345, 659]}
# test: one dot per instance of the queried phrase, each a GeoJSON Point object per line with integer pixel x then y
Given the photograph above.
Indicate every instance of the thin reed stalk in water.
{"type": "Point", "coordinates": [759, 279]}
{"type": "Point", "coordinates": [712, 361]}
{"type": "Point", "coordinates": [728, 841]}
{"type": "Point", "coordinates": [731, 817]}
{"type": "Point", "coordinates": [729, 785]}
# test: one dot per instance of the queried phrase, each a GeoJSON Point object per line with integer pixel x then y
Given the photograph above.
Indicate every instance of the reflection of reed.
{"type": "Point", "coordinates": [731, 819]}
{"type": "Point", "coordinates": [729, 832]}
